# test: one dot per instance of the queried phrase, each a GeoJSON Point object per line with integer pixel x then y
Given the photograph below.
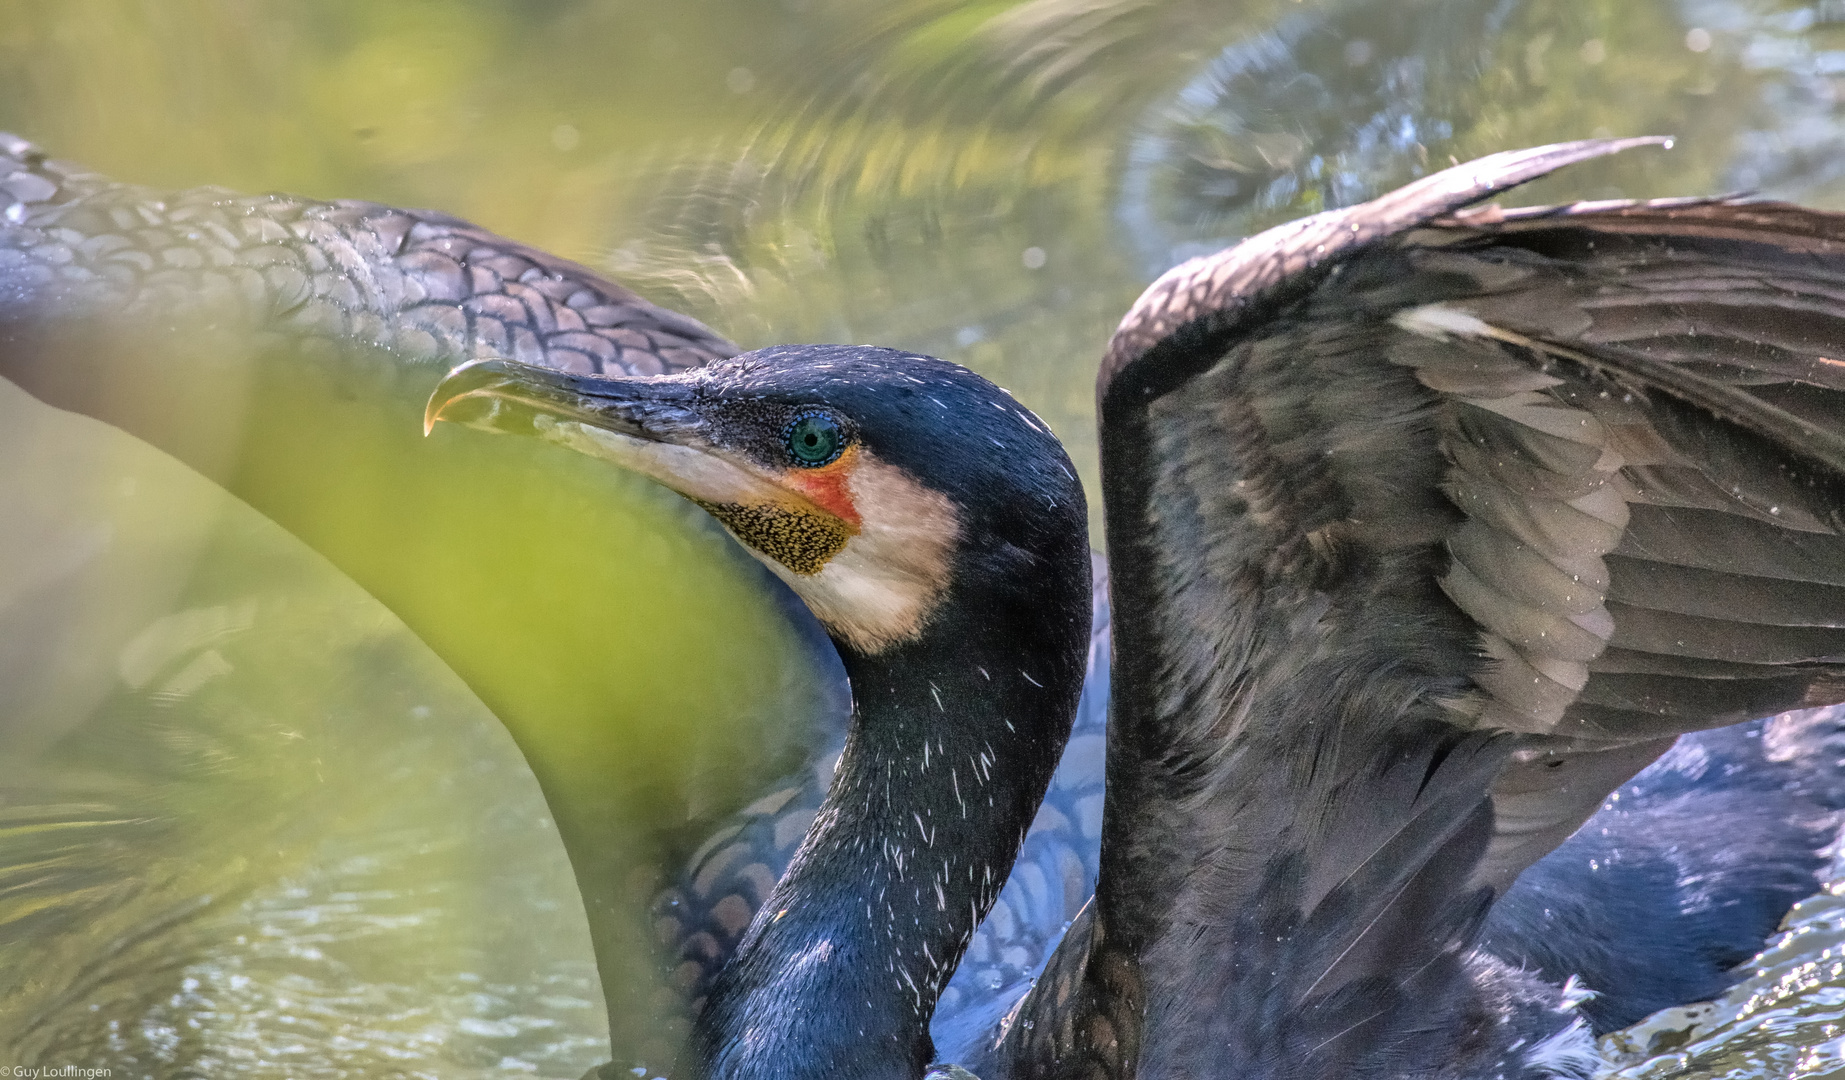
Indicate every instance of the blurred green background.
{"type": "Point", "coordinates": [250, 825]}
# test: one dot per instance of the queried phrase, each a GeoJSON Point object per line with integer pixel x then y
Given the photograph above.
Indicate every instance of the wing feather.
{"type": "Point", "coordinates": [1717, 595]}
{"type": "Point", "coordinates": [1572, 478]}
{"type": "Point", "coordinates": [1732, 543]}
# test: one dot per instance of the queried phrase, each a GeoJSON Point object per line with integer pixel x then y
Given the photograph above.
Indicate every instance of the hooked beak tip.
{"type": "Point", "coordinates": [494, 394]}
{"type": "Point", "coordinates": [463, 381]}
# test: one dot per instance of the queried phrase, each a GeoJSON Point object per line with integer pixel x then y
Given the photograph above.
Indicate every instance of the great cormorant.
{"type": "Point", "coordinates": [1429, 530]}
{"type": "Point", "coordinates": [80, 247]}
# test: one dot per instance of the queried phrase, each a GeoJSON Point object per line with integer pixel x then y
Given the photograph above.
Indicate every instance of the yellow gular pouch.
{"type": "Point", "coordinates": [801, 540]}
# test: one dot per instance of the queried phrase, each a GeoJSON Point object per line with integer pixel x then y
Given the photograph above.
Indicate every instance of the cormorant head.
{"type": "Point", "coordinates": [868, 479]}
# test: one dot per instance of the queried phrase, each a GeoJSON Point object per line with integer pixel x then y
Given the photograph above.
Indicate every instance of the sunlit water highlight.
{"type": "Point", "coordinates": [1786, 1017]}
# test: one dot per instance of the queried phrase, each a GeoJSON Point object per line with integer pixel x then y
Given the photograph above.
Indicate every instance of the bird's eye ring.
{"type": "Point", "coordinates": [813, 439]}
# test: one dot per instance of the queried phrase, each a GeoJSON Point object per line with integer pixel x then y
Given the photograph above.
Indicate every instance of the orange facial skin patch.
{"type": "Point", "coordinates": [800, 537]}
{"type": "Point", "coordinates": [827, 486]}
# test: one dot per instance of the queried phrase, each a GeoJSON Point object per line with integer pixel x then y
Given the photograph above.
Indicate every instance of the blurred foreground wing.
{"type": "Point", "coordinates": [1601, 444]}
{"type": "Point", "coordinates": [285, 347]}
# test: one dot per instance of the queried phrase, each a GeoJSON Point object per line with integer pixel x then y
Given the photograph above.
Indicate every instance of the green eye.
{"type": "Point", "coordinates": [813, 439]}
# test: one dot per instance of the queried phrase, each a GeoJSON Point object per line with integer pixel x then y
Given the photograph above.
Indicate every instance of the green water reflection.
{"type": "Point", "coordinates": [251, 826]}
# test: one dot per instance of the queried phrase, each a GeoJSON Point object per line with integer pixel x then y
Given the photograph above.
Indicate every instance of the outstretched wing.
{"type": "Point", "coordinates": [1690, 347]}
{"type": "Point", "coordinates": [1399, 477]}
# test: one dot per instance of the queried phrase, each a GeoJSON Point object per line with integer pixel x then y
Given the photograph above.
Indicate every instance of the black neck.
{"type": "Point", "coordinates": [953, 741]}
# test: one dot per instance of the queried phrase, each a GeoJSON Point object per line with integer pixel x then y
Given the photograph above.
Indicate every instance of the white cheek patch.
{"type": "Point", "coordinates": [881, 588]}
{"type": "Point", "coordinates": [877, 590]}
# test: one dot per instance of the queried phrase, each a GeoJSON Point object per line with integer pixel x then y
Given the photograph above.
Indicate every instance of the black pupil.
{"type": "Point", "coordinates": [813, 439]}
